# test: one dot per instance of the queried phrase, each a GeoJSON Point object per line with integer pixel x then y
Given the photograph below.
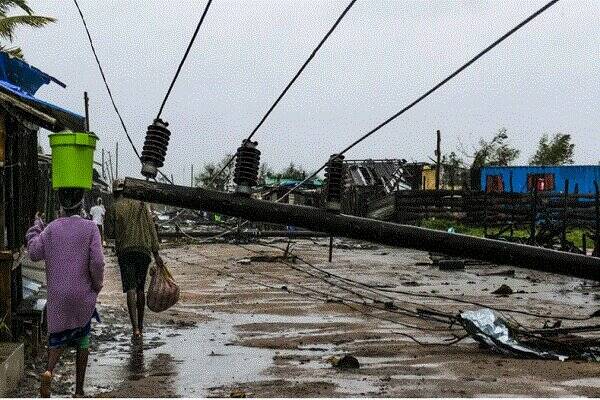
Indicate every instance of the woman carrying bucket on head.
{"type": "Point", "coordinates": [72, 249]}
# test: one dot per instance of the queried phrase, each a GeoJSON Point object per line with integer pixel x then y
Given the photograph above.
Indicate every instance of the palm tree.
{"type": "Point", "coordinates": [9, 23]}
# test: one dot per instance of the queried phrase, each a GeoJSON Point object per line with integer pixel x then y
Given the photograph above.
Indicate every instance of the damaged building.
{"type": "Point", "coordinates": [25, 180]}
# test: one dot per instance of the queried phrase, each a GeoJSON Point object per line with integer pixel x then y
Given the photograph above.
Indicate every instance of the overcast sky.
{"type": "Point", "coordinates": [383, 55]}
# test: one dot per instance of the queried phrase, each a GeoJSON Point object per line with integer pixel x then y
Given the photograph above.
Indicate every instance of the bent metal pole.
{"type": "Point", "coordinates": [386, 233]}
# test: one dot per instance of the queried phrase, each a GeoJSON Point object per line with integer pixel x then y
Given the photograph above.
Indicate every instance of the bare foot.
{"type": "Point", "coordinates": [137, 335]}
{"type": "Point", "coordinates": [45, 382]}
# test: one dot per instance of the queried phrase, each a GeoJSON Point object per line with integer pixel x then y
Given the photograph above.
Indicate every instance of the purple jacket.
{"type": "Point", "coordinates": [72, 250]}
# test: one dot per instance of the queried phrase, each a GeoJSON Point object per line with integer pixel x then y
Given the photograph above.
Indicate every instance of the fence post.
{"type": "Point", "coordinates": [512, 206]}
{"type": "Point", "coordinates": [597, 233]}
{"type": "Point", "coordinates": [485, 215]}
{"type": "Point", "coordinates": [563, 234]}
{"type": "Point", "coordinates": [6, 261]}
{"type": "Point", "coordinates": [533, 215]}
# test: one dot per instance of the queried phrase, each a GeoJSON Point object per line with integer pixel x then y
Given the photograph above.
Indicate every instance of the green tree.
{"type": "Point", "coordinates": [495, 152]}
{"type": "Point", "coordinates": [264, 172]}
{"type": "Point", "coordinates": [557, 150]}
{"type": "Point", "coordinates": [454, 170]}
{"type": "Point", "coordinates": [292, 172]}
{"type": "Point", "coordinates": [8, 23]}
{"type": "Point", "coordinates": [222, 182]}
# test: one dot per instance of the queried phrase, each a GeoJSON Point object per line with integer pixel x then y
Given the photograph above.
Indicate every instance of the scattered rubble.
{"type": "Point", "coordinates": [503, 290]}
{"type": "Point", "coordinates": [508, 273]}
{"type": "Point", "coordinates": [345, 362]}
{"type": "Point", "coordinates": [451, 265]}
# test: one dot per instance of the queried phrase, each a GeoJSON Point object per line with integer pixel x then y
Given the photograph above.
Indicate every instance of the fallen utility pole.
{"type": "Point", "coordinates": [245, 234]}
{"type": "Point", "coordinates": [386, 233]}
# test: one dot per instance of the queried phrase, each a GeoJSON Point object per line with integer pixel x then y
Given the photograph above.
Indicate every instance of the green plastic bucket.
{"type": "Point", "coordinates": [72, 159]}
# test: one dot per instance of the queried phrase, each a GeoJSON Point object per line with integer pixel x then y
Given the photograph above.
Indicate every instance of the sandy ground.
{"type": "Point", "coordinates": [263, 329]}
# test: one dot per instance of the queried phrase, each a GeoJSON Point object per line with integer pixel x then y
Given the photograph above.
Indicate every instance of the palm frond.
{"type": "Point", "coordinates": [6, 5]}
{"type": "Point", "coordinates": [8, 24]}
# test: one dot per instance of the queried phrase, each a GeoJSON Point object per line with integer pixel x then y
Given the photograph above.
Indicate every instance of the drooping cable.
{"type": "Point", "coordinates": [187, 52]}
{"type": "Point", "coordinates": [322, 296]}
{"type": "Point", "coordinates": [112, 100]}
{"type": "Point", "coordinates": [289, 85]}
{"type": "Point", "coordinates": [378, 291]}
{"type": "Point", "coordinates": [430, 91]}
{"type": "Point", "coordinates": [110, 95]}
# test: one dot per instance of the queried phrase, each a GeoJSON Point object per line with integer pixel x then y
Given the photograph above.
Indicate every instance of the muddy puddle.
{"type": "Point", "coordinates": [193, 359]}
{"type": "Point", "coordinates": [206, 359]}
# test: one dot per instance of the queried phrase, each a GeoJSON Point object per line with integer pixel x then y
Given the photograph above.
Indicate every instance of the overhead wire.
{"type": "Point", "coordinates": [185, 55]}
{"type": "Point", "coordinates": [411, 105]}
{"type": "Point", "coordinates": [288, 86]}
{"type": "Point", "coordinates": [110, 95]}
{"type": "Point", "coordinates": [109, 91]}
{"type": "Point", "coordinates": [432, 90]}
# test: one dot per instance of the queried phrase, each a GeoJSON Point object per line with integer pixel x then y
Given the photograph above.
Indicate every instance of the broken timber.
{"type": "Point", "coordinates": [387, 233]}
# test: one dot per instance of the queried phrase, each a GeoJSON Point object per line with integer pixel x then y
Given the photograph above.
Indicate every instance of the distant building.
{"type": "Point", "coordinates": [523, 179]}
{"type": "Point", "coordinates": [309, 194]}
{"type": "Point", "coordinates": [388, 175]}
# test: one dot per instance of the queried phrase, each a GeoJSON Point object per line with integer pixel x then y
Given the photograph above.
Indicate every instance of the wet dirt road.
{"type": "Point", "coordinates": [264, 329]}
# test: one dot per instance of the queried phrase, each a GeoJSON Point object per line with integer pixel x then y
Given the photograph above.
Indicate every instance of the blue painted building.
{"type": "Point", "coordinates": [547, 178]}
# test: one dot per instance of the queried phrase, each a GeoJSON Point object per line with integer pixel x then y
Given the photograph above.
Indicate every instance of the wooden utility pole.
{"type": "Point", "coordinates": [438, 154]}
{"type": "Point", "coordinates": [103, 170]}
{"type": "Point", "coordinates": [596, 252]}
{"type": "Point", "coordinates": [112, 176]}
{"type": "Point", "coordinates": [86, 104]}
{"type": "Point", "coordinates": [117, 160]}
{"type": "Point", "coordinates": [2, 177]}
{"type": "Point", "coordinates": [192, 176]}
{"type": "Point", "coordinates": [6, 262]}
{"type": "Point", "coordinates": [386, 233]}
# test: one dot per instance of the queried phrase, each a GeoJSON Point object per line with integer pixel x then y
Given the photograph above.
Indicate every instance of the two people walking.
{"type": "Point", "coordinates": [71, 247]}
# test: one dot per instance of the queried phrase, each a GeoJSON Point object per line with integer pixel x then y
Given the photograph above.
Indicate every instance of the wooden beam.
{"type": "Point", "coordinates": [28, 109]}
{"type": "Point", "coordinates": [386, 233]}
{"type": "Point", "coordinates": [2, 180]}
{"type": "Point", "coordinates": [6, 262]}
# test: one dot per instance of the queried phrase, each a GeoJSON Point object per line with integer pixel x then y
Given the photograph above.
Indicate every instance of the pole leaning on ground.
{"type": "Point", "coordinates": [386, 233]}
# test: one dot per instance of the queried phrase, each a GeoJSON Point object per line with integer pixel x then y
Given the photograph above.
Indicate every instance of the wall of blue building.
{"type": "Point", "coordinates": [582, 175]}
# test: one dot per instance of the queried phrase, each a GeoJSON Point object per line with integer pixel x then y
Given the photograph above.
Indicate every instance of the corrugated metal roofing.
{"type": "Point", "coordinates": [20, 81]}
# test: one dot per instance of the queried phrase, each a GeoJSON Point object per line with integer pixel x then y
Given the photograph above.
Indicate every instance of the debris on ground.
{"type": "Point", "coordinates": [500, 336]}
{"type": "Point", "coordinates": [503, 290]}
{"type": "Point", "coordinates": [273, 258]}
{"type": "Point", "coordinates": [346, 362]}
{"type": "Point", "coordinates": [508, 273]}
{"type": "Point", "coordinates": [238, 393]}
{"type": "Point", "coordinates": [494, 333]}
{"type": "Point", "coordinates": [411, 283]}
{"type": "Point", "coordinates": [451, 265]}
{"type": "Point", "coordinates": [244, 261]}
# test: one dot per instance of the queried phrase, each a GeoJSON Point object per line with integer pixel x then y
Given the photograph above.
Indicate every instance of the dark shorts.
{"type": "Point", "coordinates": [134, 269]}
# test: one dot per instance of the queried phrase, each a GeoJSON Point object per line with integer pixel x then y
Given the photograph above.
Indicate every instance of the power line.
{"type": "Point", "coordinates": [322, 296]}
{"type": "Point", "coordinates": [289, 85]}
{"type": "Point", "coordinates": [432, 90]}
{"type": "Point", "coordinates": [112, 100]}
{"type": "Point", "coordinates": [377, 290]}
{"type": "Point", "coordinates": [187, 51]}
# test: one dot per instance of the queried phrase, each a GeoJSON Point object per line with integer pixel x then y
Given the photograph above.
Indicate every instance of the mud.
{"type": "Point", "coordinates": [232, 336]}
